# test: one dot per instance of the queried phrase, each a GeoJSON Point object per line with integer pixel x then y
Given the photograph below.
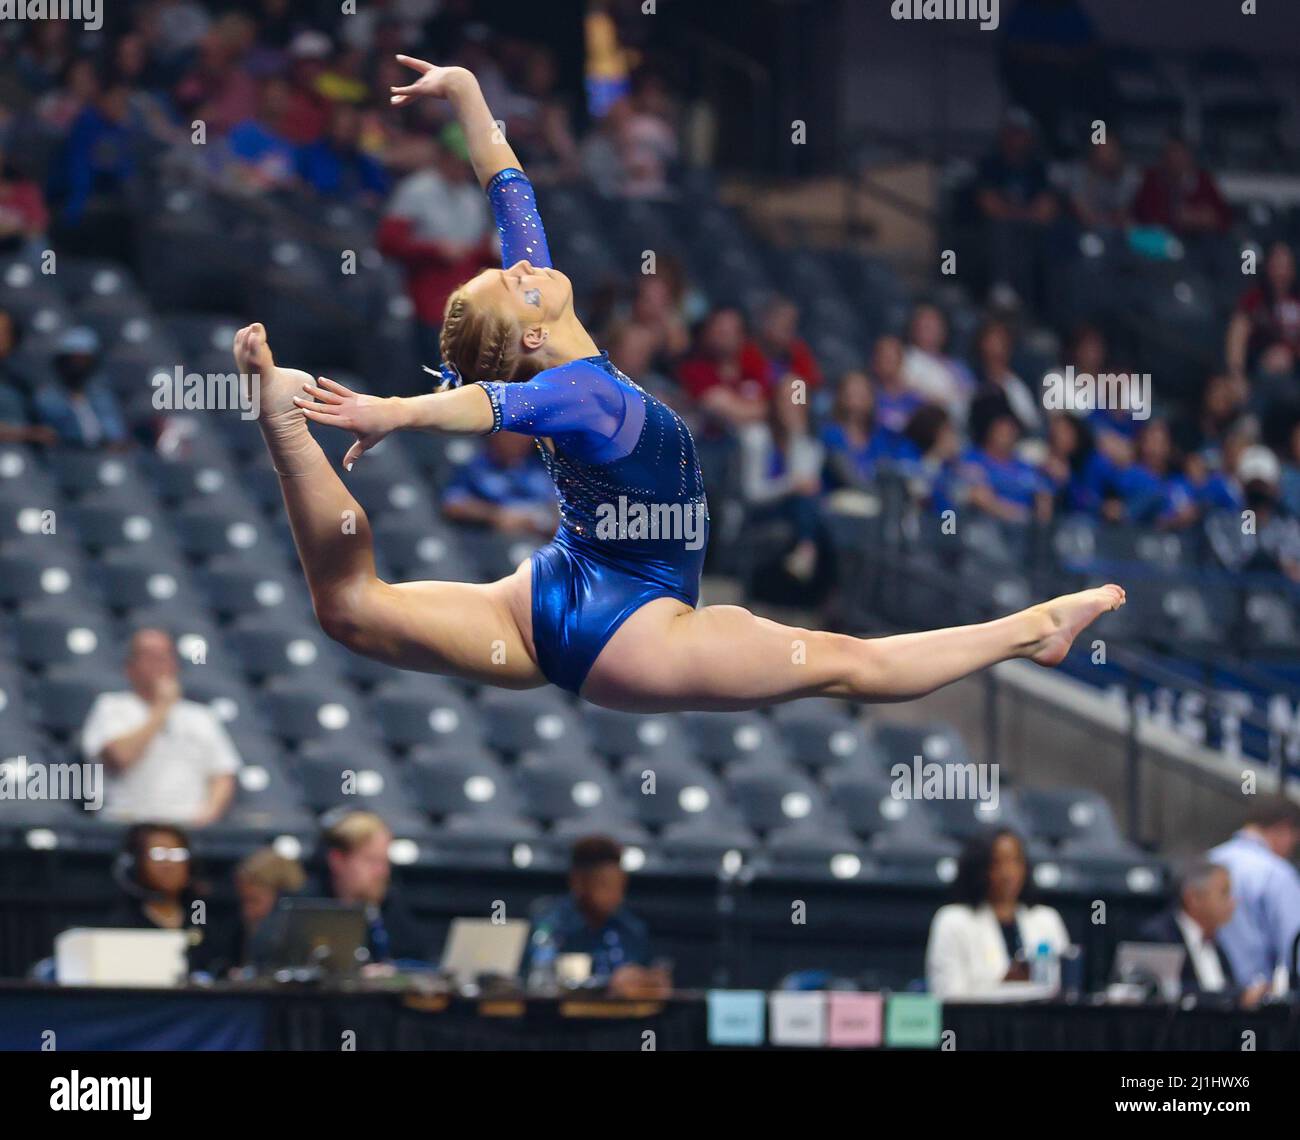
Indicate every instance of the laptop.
{"type": "Point", "coordinates": [324, 934]}
{"type": "Point", "coordinates": [1147, 962]}
{"type": "Point", "coordinates": [477, 946]}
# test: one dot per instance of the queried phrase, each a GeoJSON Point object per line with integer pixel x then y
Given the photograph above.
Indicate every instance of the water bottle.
{"type": "Point", "coordinates": [541, 962]}
{"type": "Point", "coordinates": [1044, 969]}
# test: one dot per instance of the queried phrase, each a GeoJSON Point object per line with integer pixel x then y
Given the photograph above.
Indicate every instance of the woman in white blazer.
{"type": "Point", "coordinates": [988, 935]}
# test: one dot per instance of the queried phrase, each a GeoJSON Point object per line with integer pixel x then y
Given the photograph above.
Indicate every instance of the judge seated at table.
{"type": "Point", "coordinates": [358, 871]}
{"type": "Point", "coordinates": [593, 920]}
{"type": "Point", "coordinates": [1204, 906]}
{"type": "Point", "coordinates": [987, 936]}
{"type": "Point", "coordinates": [155, 874]}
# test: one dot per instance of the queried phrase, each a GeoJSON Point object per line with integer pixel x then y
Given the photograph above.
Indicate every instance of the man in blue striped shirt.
{"type": "Point", "coordinates": [1266, 886]}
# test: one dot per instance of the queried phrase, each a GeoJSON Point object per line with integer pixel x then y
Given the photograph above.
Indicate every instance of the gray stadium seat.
{"type": "Point", "coordinates": [564, 786]}
{"type": "Point", "coordinates": [531, 720]}
{"type": "Point", "coordinates": [451, 780]}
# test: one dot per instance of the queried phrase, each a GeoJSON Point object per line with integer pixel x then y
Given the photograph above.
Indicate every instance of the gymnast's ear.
{"type": "Point", "coordinates": [535, 337]}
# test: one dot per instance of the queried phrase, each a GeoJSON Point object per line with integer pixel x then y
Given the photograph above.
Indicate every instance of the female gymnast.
{"type": "Point", "coordinates": [611, 617]}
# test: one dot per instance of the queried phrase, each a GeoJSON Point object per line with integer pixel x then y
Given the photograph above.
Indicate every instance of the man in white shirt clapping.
{"type": "Point", "coordinates": [166, 759]}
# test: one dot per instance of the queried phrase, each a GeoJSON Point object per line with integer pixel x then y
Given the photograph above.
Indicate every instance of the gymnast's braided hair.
{"type": "Point", "coordinates": [478, 343]}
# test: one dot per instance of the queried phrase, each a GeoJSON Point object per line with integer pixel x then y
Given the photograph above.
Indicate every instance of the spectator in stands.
{"type": "Point", "coordinates": [1152, 490]}
{"type": "Point", "coordinates": [987, 936]}
{"type": "Point", "coordinates": [45, 55]}
{"type": "Point", "coordinates": [155, 872]}
{"type": "Point", "coordinates": [1267, 314]}
{"type": "Point", "coordinates": [438, 228]}
{"type": "Point", "coordinates": [933, 434]}
{"type": "Point", "coordinates": [634, 146]}
{"type": "Point", "coordinates": [658, 305]}
{"type": "Point", "coordinates": [1266, 889]}
{"type": "Point", "coordinates": [1072, 466]}
{"type": "Point", "coordinates": [15, 385]}
{"type": "Point", "coordinates": [993, 479]}
{"type": "Point", "coordinates": [1222, 404]}
{"type": "Point", "coordinates": [504, 487]}
{"type": "Point", "coordinates": [165, 758]}
{"type": "Point", "coordinates": [261, 879]}
{"type": "Point", "coordinates": [1102, 188]}
{"type": "Point", "coordinates": [307, 111]}
{"type": "Point", "coordinates": [593, 919]}
{"type": "Point", "coordinates": [177, 26]}
{"type": "Point", "coordinates": [219, 88]}
{"type": "Point", "coordinates": [336, 166]}
{"type": "Point", "coordinates": [59, 107]}
{"type": "Point", "coordinates": [356, 856]}
{"type": "Point", "coordinates": [994, 375]}
{"type": "Point", "coordinates": [717, 376]}
{"type": "Point", "coordinates": [1114, 429]}
{"type": "Point", "coordinates": [895, 402]}
{"type": "Point", "coordinates": [263, 155]}
{"type": "Point", "coordinates": [538, 122]}
{"type": "Point", "coordinates": [1018, 206]}
{"type": "Point", "coordinates": [1204, 904]}
{"type": "Point", "coordinates": [781, 475]}
{"type": "Point", "coordinates": [23, 218]}
{"type": "Point", "coordinates": [632, 349]}
{"type": "Point", "coordinates": [98, 163]}
{"type": "Point", "coordinates": [854, 441]}
{"type": "Point", "coordinates": [80, 407]}
{"type": "Point", "coordinates": [1181, 196]}
{"type": "Point", "coordinates": [933, 375]}
{"type": "Point", "coordinates": [1273, 544]}
{"type": "Point", "coordinates": [777, 349]}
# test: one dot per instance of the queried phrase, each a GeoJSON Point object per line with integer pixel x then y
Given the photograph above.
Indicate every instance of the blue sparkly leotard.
{"type": "Point", "coordinates": [633, 517]}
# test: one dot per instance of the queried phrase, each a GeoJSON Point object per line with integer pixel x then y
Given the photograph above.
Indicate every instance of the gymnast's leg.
{"type": "Point", "coordinates": [435, 627]}
{"type": "Point", "coordinates": [668, 657]}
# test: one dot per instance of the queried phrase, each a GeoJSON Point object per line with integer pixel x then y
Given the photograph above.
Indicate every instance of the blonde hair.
{"type": "Point", "coordinates": [482, 343]}
{"type": "Point", "coordinates": [266, 868]}
{"type": "Point", "coordinates": [353, 830]}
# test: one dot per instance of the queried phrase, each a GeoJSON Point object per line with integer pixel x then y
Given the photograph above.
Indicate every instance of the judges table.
{"type": "Point", "coordinates": [383, 1017]}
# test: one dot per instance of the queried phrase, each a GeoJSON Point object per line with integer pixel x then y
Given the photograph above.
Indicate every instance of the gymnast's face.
{"type": "Point", "coordinates": [532, 297]}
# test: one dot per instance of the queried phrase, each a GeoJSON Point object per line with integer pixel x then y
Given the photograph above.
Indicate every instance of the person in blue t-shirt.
{"type": "Point", "coordinates": [855, 442]}
{"type": "Point", "coordinates": [336, 167]}
{"type": "Point", "coordinates": [592, 919]}
{"type": "Point", "coordinates": [504, 486]}
{"type": "Point", "coordinates": [996, 481]}
{"type": "Point", "coordinates": [1152, 490]}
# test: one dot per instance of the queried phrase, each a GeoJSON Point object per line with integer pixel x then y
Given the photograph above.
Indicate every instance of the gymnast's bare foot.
{"type": "Point", "coordinates": [276, 387]}
{"type": "Point", "coordinates": [1058, 622]}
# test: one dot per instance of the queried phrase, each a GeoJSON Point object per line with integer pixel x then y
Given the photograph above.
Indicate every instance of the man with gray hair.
{"type": "Point", "coordinates": [1204, 905]}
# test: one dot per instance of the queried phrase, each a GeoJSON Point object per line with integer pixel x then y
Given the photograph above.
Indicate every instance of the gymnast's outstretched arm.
{"type": "Point", "coordinates": [488, 150]}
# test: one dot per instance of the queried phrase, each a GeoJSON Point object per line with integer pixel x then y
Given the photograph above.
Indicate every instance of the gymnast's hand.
{"type": "Point", "coordinates": [440, 82]}
{"type": "Point", "coordinates": [369, 418]}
